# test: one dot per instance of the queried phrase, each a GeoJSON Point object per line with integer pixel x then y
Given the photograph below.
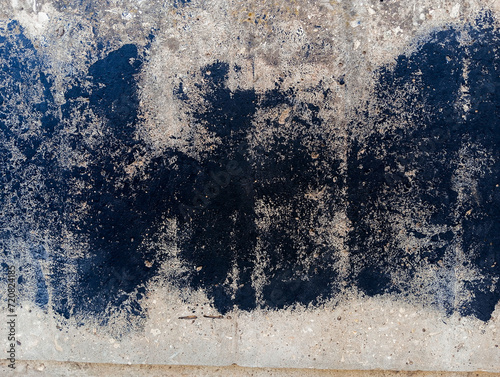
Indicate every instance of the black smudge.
{"type": "Point", "coordinates": [223, 222]}
{"type": "Point", "coordinates": [113, 271]}
{"type": "Point", "coordinates": [430, 85]}
{"type": "Point", "coordinates": [27, 118]}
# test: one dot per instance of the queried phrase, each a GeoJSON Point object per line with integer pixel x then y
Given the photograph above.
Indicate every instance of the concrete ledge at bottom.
{"type": "Point", "coordinates": [74, 369]}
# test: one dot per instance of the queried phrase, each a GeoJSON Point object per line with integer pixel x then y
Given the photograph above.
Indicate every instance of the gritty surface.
{"type": "Point", "coordinates": [70, 369]}
{"type": "Point", "coordinates": [308, 184]}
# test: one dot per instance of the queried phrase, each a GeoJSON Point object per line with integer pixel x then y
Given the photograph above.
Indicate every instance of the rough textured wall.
{"type": "Point", "coordinates": [216, 164]}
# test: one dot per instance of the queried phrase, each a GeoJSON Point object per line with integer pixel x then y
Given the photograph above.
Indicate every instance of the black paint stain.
{"type": "Point", "coordinates": [224, 232]}
{"type": "Point", "coordinates": [216, 199]}
{"type": "Point", "coordinates": [19, 70]}
{"type": "Point", "coordinates": [377, 187]}
{"type": "Point", "coordinates": [27, 118]}
{"type": "Point", "coordinates": [120, 210]}
{"type": "Point", "coordinates": [432, 81]}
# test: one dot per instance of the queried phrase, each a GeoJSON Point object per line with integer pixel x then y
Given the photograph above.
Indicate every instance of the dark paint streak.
{"type": "Point", "coordinates": [22, 82]}
{"type": "Point", "coordinates": [113, 273]}
{"type": "Point", "coordinates": [224, 233]}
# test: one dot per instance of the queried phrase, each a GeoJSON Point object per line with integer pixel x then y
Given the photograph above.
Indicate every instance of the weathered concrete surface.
{"type": "Point", "coordinates": [307, 184]}
{"type": "Point", "coordinates": [70, 369]}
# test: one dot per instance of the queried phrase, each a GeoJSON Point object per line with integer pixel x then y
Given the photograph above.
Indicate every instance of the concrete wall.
{"type": "Point", "coordinates": [276, 184]}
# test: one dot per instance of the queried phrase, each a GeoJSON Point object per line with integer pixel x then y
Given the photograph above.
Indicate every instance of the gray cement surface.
{"type": "Point", "coordinates": [70, 369]}
{"type": "Point", "coordinates": [271, 184]}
